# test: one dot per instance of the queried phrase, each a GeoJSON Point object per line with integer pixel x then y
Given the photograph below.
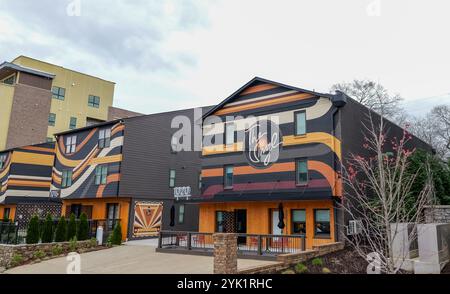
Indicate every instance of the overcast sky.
{"type": "Point", "coordinates": [172, 54]}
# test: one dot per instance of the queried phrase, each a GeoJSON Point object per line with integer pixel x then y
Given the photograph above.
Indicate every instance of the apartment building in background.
{"type": "Point", "coordinates": [40, 99]}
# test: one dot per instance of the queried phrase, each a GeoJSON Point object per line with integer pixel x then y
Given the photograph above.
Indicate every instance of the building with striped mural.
{"type": "Point", "coordinates": [125, 171]}
{"type": "Point", "coordinates": [25, 177]}
{"type": "Point", "coordinates": [243, 191]}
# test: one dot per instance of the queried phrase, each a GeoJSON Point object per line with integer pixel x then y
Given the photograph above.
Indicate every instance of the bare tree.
{"type": "Point", "coordinates": [434, 128]}
{"type": "Point", "coordinates": [373, 95]}
{"type": "Point", "coordinates": [379, 186]}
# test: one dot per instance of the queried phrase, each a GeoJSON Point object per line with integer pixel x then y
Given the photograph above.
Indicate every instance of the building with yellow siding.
{"type": "Point", "coordinates": [40, 99]}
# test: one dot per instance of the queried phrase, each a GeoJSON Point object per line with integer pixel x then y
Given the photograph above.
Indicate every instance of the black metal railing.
{"type": "Point", "coordinates": [248, 244]}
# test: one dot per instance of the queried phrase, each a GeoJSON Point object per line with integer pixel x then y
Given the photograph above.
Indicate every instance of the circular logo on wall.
{"type": "Point", "coordinates": [263, 142]}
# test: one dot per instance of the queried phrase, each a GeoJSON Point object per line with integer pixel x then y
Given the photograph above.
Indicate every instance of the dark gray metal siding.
{"type": "Point", "coordinates": [147, 159]}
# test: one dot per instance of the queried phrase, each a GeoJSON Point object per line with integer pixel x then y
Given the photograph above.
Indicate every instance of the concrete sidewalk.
{"type": "Point", "coordinates": [132, 259]}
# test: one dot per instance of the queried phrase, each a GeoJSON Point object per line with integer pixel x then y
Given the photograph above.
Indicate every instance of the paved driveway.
{"type": "Point", "coordinates": [134, 258]}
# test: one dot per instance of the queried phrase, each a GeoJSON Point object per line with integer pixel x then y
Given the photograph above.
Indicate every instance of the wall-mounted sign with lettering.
{"type": "Point", "coordinates": [182, 192]}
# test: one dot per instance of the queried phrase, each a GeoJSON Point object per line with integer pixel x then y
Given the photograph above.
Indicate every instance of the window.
{"type": "Point", "coordinates": [302, 172]}
{"type": "Point", "coordinates": [220, 222]}
{"type": "Point", "coordinates": [228, 177]}
{"type": "Point", "coordinates": [73, 123]}
{"type": "Point", "coordinates": [181, 214]}
{"type": "Point", "coordinates": [58, 93]}
{"type": "Point", "coordinates": [322, 222]}
{"type": "Point", "coordinates": [76, 210]}
{"type": "Point", "coordinates": [2, 160]}
{"type": "Point", "coordinates": [101, 173]}
{"type": "Point", "coordinates": [10, 81]}
{"type": "Point", "coordinates": [94, 101]}
{"type": "Point", "coordinates": [6, 213]}
{"type": "Point", "coordinates": [298, 221]}
{"type": "Point", "coordinates": [300, 123]}
{"type": "Point", "coordinates": [230, 129]}
{"type": "Point", "coordinates": [66, 178]}
{"type": "Point", "coordinates": [49, 139]}
{"type": "Point", "coordinates": [104, 138]}
{"type": "Point", "coordinates": [112, 214]}
{"type": "Point", "coordinates": [71, 144]}
{"type": "Point", "coordinates": [172, 174]}
{"type": "Point", "coordinates": [51, 119]}
{"type": "Point", "coordinates": [200, 185]}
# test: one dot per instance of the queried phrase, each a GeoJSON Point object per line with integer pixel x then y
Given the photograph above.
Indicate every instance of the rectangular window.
{"type": "Point", "coordinates": [300, 123]}
{"type": "Point", "coordinates": [2, 160]}
{"type": "Point", "coordinates": [228, 176]}
{"type": "Point", "coordinates": [220, 222]}
{"type": "Point", "coordinates": [298, 221]}
{"type": "Point", "coordinates": [322, 222]}
{"type": "Point", "coordinates": [66, 178]}
{"type": "Point", "coordinates": [71, 144]}
{"type": "Point", "coordinates": [73, 123]}
{"type": "Point", "coordinates": [101, 174]}
{"type": "Point", "coordinates": [200, 185]}
{"type": "Point", "coordinates": [6, 213]}
{"type": "Point", "coordinates": [302, 172]}
{"type": "Point", "coordinates": [112, 214]}
{"type": "Point", "coordinates": [49, 139]}
{"type": "Point", "coordinates": [104, 138]}
{"type": "Point", "coordinates": [230, 129]}
{"type": "Point", "coordinates": [76, 210]}
{"type": "Point", "coordinates": [172, 174]}
{"type": "Point", "coordinates": [181, 214]}
{"type": "Point", "coordinates": [94, 101]}
{"type": "Point", "coordinates": [51, 119]}
{"type": "Point", "coordinates": [58, 93]}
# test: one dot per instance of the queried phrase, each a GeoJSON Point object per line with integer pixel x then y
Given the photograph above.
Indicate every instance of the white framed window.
{"type": "Point", "coordinates": [172, 175]}
{"type": "Point", "coordinates": [104, 138]}
{"type": "Point", "coordinates": [71, 144]}
{"type": "Point", "coordinates": [181, 214]}
{"type": "Point", "coordinates": [101, 174]}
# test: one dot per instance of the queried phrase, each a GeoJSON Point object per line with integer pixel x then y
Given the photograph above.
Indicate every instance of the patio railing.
{"type": "Point", "coordinates": [248, 244]}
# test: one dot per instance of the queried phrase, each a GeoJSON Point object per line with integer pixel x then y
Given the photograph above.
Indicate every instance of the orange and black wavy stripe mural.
{"type": "Point", "coordinates": [27, 171]}
{"type": "Point", "coordinates": [85, 159]}
{"type": "Point", "coordinates": [319, 147]}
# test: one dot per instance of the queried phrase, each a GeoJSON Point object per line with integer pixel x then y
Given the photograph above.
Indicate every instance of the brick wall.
{"type": "Point", "coordinates": [29, 116]}
{"type": "Point", "coordinates": [116, 113]}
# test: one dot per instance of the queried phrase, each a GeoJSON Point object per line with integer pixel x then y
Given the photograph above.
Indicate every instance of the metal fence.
{"type": "Point", "coordinates": [248, 244]}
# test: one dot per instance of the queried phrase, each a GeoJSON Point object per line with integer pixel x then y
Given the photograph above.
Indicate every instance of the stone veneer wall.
{"type": "Point", "coordinates": [437, 214]}
{"type": "Point", "coordinates": [27, 251]}
{"type": "Point", "coordinates": [225, 253]}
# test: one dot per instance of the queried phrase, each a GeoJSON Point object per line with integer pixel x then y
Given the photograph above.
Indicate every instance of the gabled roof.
{"type": "Point", "coordinates": [258, 79]}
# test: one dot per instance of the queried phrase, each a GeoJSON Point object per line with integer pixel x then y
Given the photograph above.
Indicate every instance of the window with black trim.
{"type": "Point", "coordinates": [220, 221]}
{"type": "Point", "coordinates": [298, 217]}
{"type": "Point", "coordinates": [2, 160]}
{"type": "Point", "coordinates": [6, 213]}
{"type": "Point", "coordinates": [228, 176]}
{"type": "Point", "coordinates": [94, 101]}
{"type": "Point", "coordinates": [172, 175]}
{"type": "Point", "coordinates": [101, 174]}
{"type": "Point", "coordinates": [73, 123]}
{"type": "Point", "coordinates": [58, 93]}
{"type": "Point", "coordinates": [51, 119]}
{"type": "Point", "coordinates": [301, 170]}
{"type": "Point", "coordinates": [300, 123]}
{"type": "Point", "coordinates": [71, 144]}
{"type": "Point", "coordinates": [104, 138]}
{"type": "Point", "coordinates": [112, 215]}
{"type": "Point", "coordinates": [181, 214]}
{"type": "Point", "coordinates": [322, 223]}
{"type": "Point", "coordinates": [66, 178]}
